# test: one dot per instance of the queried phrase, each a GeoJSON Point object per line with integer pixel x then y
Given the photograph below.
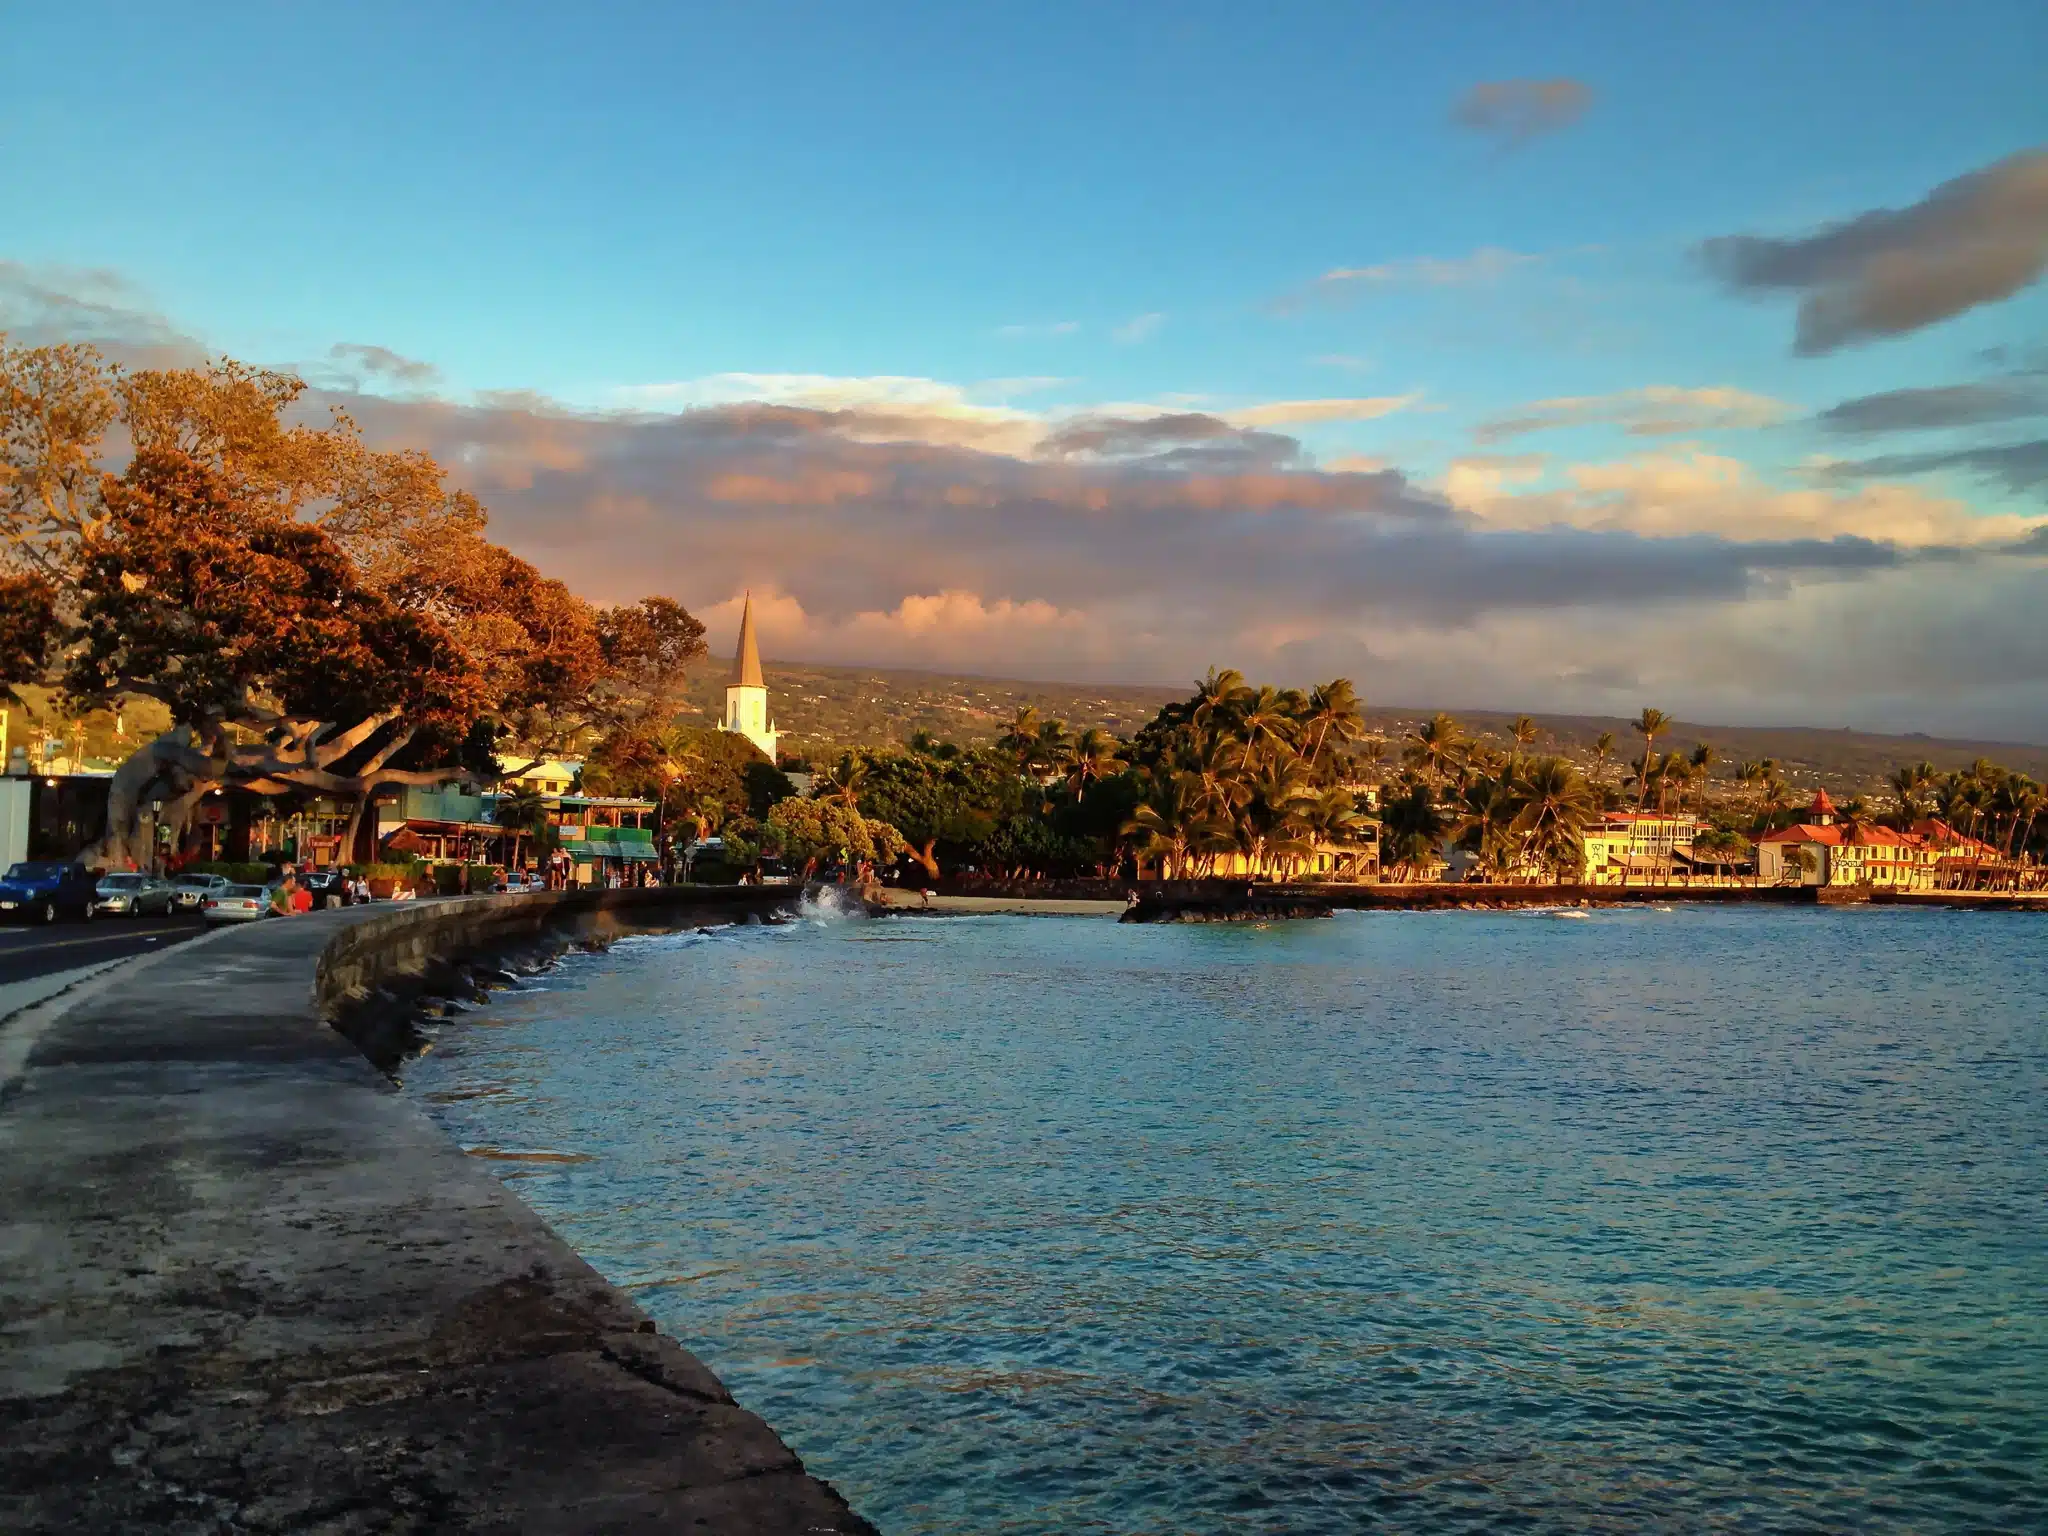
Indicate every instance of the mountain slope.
{"type": "Point", "coordinates": [825, 708]}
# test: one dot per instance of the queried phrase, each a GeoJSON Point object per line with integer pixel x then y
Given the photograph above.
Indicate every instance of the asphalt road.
{"type": "Point", "coordinates": [26, 953]}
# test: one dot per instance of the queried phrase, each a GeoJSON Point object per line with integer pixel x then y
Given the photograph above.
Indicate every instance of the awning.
{"type": "Point", "coordinates": [605, 848]}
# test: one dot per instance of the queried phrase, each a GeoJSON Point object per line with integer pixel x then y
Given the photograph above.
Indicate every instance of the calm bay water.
{"type": "Point", "coordinates": [1641, 1220]}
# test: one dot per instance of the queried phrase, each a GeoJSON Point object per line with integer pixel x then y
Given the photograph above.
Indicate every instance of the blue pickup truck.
{"type": "Point", "coordinates": [41, 891]}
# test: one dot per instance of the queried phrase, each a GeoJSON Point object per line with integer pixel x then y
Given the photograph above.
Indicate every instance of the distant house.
{"type": "Point", "coordinates": [555, 776]}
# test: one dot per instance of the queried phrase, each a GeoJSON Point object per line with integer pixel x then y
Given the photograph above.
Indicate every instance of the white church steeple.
{"type": "Point", "coordinates": [746, 695]}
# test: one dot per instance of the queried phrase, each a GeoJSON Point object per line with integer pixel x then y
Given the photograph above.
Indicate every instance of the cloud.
{"type": "Point", "coordinates": [1183, 440]}
{"type": "Point", "coordinates": [2018, 466]}
{"type": "Point", "coordinates": [1138, 328]}
{"type": "Point", "coordinates": [1657, 410]}
{"type": "Point", "coordinates": [41, 305]}
{"type": "Point", "coordinates": [1974, 240]}
{"type": "Point", "coordinates": [1487, 265]}
{"type": "Point", "coordinates": [1512, 112]}
{"type": "Point", "coordinates": [1284, 413]}
{"type": "Point", "coordinates": [1689, 493]}
{"type": "Point", "coordinates": [362, 361]}
{"type": "Point", "coordinates": [1950, 405]}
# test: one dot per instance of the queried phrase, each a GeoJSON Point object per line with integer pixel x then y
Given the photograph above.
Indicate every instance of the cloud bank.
{"type": "Point", "coordinates": [896, 520]}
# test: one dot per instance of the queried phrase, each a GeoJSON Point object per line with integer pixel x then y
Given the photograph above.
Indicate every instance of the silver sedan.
{"type": "Point", "coordinates": [133, 895]}
{"type": "Point", "coordinates": [236, 904]}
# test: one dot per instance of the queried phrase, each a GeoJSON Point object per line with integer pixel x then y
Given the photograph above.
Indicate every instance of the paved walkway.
{"type": "Point", "coordinates": [244, 1286]}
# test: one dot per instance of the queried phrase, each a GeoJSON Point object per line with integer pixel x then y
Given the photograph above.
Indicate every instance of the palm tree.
{"type": "Point", "coordinates": [1525, 731]}
{"type": "Point", "coordinates": [1414, 828]}
{"type": "Point", "coordinates": [1172, 825]}
{"type": "Point", "coordinates": [1603, 749]}
{"type": "Point", "coordinates": [844, 782]}
{"type": "Point", "coordinates": [1053, 745]}
{"type": "Point", "coordinates": [1649, 725]}
{"type": "Point", "coordinates": [1219, 769]}
{"type": "Point", "coordinates": [1556, 802]}
{"type": "Point", "coordinates": [1091, 758]}
{"type": "Point", "coordinates": [1437, 747]}
{"type": "Point", "coordinates": [1773, 798]}
{"type": "Point", "coordinates": [1703, 759]}
{"type": "Point", "coordinates": [1021, 739]}
{"type": "Point", "coordinates": [1372, 752]}
{"type": "Point", "coordinates": [1332, 712]}
{"type": "Point", "coordinates": [1273, 816]}
{"type": "Point", "coordinates": [523, 811]}
{"type": "Point", "coordinates": [1484, 810]}
{"type": "Point", "coordinates": [1266, 719]}
{"type": "Point", "coordinates": [1219, 694]}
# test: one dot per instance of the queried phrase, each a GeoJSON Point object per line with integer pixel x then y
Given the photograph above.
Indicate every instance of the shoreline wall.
{"type": "Point", "coordinates": [245, 1284]}
{"type": "Point", "coordinates": [393, 937]}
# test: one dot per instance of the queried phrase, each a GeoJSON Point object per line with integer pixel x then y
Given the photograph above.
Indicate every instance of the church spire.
{"type": "Point", "coordinates": [746, 662]}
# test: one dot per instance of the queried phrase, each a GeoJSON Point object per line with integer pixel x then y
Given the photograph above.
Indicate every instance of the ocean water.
{"type": "Point", "coordinates": [1689, 1220]}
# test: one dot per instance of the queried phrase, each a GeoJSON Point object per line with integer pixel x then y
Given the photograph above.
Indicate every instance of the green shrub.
{"type": "Point", "coordinates": [448, 879]}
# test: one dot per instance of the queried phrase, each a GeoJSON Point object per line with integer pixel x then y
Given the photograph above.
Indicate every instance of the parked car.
{"type": "Point", "coordinates": [236, 904]}
{"type": "Point", "coordinates": [133, 895]}
{"type": "Point", "coordinates": [187, 891]}
{"type": "Point", "coordinates": [44, 890]}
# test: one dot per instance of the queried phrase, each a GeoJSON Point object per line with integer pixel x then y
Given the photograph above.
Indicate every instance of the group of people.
{"type": "Point", "coordinates": [289, 896]}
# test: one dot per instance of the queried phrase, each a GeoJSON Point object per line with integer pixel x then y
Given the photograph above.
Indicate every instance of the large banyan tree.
{"type": "Point", "coordinates": [315, 615]}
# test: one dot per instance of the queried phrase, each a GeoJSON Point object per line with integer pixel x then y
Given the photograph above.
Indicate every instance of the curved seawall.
{"type": "Point", "coordinates": [245, 1286]}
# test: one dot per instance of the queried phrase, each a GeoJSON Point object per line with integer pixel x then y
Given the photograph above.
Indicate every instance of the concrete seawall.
{"type": "Point", "coordinates": [245, 1286]}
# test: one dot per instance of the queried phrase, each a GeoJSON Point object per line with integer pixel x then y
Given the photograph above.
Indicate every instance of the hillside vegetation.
{"type": "Point", "coordinates": [827, 708]}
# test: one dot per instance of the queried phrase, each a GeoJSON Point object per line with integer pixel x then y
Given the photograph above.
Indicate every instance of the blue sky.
{"type": "Point", "coordinates": [1056, 209]}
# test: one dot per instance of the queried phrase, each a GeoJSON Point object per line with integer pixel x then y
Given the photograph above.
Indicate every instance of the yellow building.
{"type": "Point", "coordinates": [1824, 851]}
{"type": "Point", "coordinates": [1623, 847]}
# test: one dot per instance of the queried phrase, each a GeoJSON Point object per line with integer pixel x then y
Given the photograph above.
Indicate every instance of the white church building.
{"type": "Point", "coordinates": [746, 695]}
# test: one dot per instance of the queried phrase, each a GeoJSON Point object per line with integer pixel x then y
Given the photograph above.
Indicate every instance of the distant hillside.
{"type": "Point", "coordinates": [826, 708]}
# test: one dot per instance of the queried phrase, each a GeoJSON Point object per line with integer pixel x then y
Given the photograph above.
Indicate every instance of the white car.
{"type": "Point", "coordinates": [236, 904]}
{"type": "Point", "coordinates": [188, 891]}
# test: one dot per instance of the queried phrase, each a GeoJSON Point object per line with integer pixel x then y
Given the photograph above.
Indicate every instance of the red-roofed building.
{"type": "Point", "coordinates": [1824, 851]}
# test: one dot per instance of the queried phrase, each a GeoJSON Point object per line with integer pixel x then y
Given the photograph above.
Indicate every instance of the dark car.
{"type": "Point", "coordinates": [44, 890]}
